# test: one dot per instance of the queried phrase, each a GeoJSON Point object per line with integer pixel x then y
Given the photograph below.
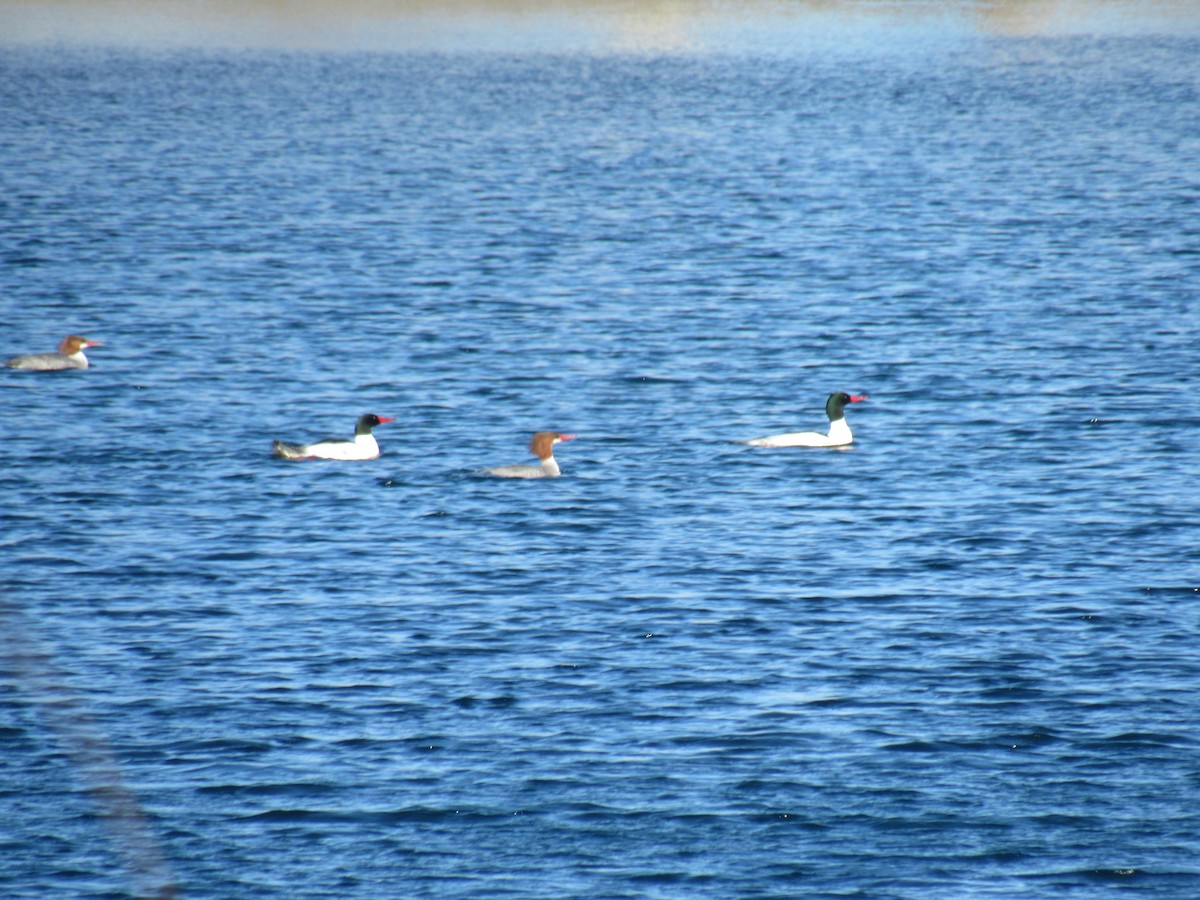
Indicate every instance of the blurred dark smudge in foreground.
{"type": "Point", "coordinates": [38, 679]}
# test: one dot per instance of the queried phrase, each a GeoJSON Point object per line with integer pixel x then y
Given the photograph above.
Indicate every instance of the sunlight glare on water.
{"type": "Point", "coordinates": [657, 26]}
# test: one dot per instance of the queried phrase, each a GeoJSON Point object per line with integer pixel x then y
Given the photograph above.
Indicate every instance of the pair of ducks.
{"type": "Point", "coordinates": [70, 355]}
{"type": "Point", "coordinates": [364, 445]}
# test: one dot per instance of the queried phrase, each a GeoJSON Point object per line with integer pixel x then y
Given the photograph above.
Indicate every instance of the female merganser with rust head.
{"type": "Point", "coordinates": [839, 432]}
{"type": "Point", "coordinates": [68, 356]}
{"type": "Point", "coordinates": [363, 446]}
{"type": "Point", "coordinates": [542, 446]}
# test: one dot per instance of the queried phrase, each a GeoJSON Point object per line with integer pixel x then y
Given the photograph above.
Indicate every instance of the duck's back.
{"type": "Point", "coordinates": [47, 362]}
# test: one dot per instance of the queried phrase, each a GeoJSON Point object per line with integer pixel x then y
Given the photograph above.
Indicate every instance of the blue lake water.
{"type": "Point", "coordinates": [957, 659]}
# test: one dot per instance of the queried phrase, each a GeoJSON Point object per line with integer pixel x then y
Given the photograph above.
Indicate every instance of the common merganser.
{"type": "Point", "coordinates": [364, 445]}
{"type": "Point", "coordinates": [542, 446]}
{"type": "Point", "coordinates": [68, 356]}
{"type": "Point", "coordinates": [839, 432]}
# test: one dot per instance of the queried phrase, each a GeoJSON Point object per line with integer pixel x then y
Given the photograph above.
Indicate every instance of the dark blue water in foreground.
{"type": "Point", "coordinates": [959, 659]}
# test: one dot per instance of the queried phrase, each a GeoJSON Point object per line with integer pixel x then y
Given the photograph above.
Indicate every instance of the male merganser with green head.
{"type": "Point", "coordinates": [839, 432]}
{"type": "Point", "coordinates": [364, 445]}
